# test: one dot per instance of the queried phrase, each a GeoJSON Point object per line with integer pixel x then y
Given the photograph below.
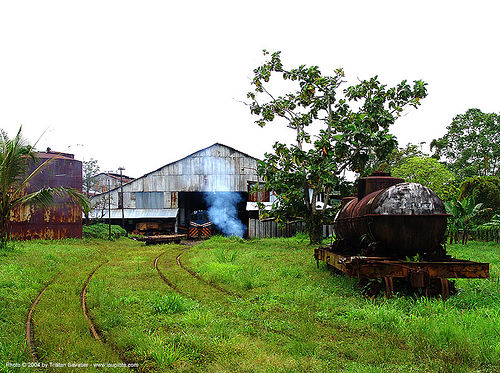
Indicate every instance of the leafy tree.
{"type": "Point", "coordinates": [429, 172]}
{"type": "Point", "coordinates": [354, 127]}
{"type": "Point", "coordinates": [16, 156]}
{"type": "Point", "coordinates": [395, 159]}
{"type": "Point", "coordinates": [485, 190]}
{"type": "Point", "coordinates": [471, 147]}
{"type": "Point", "coordinates": [90, 169]}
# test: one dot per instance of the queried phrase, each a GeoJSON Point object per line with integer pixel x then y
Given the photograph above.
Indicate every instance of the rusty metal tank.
{"type": "Point", "coordinates": [401, 220]}
{"type": "Point", "coordinates": [64, 218]}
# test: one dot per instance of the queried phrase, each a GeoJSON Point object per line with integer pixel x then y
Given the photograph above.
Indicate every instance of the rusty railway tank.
{"type": "Point", "coordinates": [391, 218]}
{"type": "Point", "coordinates": [64, 218]}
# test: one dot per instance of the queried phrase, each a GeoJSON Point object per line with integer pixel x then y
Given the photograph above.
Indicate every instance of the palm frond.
{"type": "Point", "coordinates": [45, 197]}
{"type": "Point", "coordinates": [14, 156]}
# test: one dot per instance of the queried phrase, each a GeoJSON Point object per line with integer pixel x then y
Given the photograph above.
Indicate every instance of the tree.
{"type": "Point", "coordinates": [485, 190]}
{"type": "Point", "coordinates": [429, 172]}
{"type": "Point", "coordinates": [471, 147]}
{"type": "Point", "coordinates": [395, 159]}
{"type": "Point", "coordinates": [90, 169]}
{"type": "Point", "coordinates": [354, 126]}
{"type": "Point", "coordinates": [15, 159]}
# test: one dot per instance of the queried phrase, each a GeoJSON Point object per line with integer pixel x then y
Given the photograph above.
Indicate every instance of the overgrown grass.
{"type": "Point", "coordinates": [24, 271]}
{"type": "Point", "coordinates": [290, 316]}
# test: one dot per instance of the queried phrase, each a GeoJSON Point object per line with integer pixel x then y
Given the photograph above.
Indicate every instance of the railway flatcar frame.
{"type": "Point", "coordinates": [418, 274]}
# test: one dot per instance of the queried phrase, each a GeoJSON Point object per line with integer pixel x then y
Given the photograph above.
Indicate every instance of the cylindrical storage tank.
{"type": "Point", "coordinates": [343, 222]}
{"type": "Point", "coordinates": [63, 219]}
{"type": "Point", "coordinates": [403, 220]}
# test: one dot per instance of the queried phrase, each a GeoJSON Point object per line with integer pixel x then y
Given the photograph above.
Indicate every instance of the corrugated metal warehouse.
{"type": "Point", "coordinates": [170, 194]}
{"type": "Point", "coordinates": [64, 218]}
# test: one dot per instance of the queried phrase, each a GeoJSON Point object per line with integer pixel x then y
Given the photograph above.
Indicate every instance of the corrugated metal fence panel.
{"type": "Point", "coordinates": [270, 229]}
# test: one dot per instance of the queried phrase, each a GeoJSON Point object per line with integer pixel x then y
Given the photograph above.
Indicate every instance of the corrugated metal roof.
{"type": "Point", "coordinates": [136, 214]}
{"type": "Point", "coordinates": [178, 161]}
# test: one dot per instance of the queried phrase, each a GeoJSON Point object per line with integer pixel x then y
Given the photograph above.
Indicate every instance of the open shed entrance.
{"type": "Point", "coordinates": [193, 201]}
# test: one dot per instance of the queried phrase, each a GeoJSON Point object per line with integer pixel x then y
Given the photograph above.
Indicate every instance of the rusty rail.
{"type": "Point", "coordinates": [30, 334]}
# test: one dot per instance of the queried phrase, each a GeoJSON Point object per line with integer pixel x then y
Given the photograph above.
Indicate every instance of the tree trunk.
{"type": "Point", "coordinates": [4, 233]}
{"type": "Point", "coordinates": [314, 226]}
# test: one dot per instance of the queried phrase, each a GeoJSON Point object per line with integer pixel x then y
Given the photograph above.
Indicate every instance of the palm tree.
{"type": "Point", "coordinates": [15, 159]}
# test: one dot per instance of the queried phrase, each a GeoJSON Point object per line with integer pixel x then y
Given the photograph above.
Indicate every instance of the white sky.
{"type": "Point", "coordinates": [142, 83]}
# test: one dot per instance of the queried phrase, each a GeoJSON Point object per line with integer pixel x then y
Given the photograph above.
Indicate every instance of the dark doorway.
{"type": "Point", "coordinates": [192, 201]}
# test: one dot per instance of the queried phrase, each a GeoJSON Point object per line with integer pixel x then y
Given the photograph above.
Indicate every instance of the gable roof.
{"type": "Point", "coordinates": [181, 159]}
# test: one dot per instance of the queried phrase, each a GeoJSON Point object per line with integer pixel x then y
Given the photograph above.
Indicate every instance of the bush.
{"type": "Point", "coordinates": [486, 190]}
{"type": "Point", "coordinates": [101, 230]}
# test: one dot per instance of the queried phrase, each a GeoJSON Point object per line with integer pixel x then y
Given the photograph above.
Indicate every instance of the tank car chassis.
{"type": "Point", "coordinates": [426, 275]}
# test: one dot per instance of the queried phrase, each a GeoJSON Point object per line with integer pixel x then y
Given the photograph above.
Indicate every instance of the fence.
{"type": "Point", "coordinates": [271, 229]}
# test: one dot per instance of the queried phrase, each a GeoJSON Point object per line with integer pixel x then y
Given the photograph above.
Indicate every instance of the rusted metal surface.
{"type": "Point", "coordinates": [64, 218]}
{"type": "Point", "coordinates": [402, 220]}
{"type": "Point", "coordinates": [379, 267]}
{"type": "Point", "coordinates": [343, 223]}
{"type": "Point", "coordinates": [424, 275]}
{"type": "Point", "coordinates": [376, 181]}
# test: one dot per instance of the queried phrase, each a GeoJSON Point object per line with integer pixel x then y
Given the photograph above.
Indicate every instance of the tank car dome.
{"type": "Point", "coordinates": [408, 199]}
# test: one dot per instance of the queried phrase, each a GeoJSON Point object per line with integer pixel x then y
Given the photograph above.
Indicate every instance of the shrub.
{"type": "Point", "coordinates": [486, 190]}
{"type": "Point", "coordinates": [101, 230]}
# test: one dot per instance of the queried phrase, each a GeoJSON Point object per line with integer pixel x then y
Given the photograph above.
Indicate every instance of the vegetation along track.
{"type": "Point", "coordinates": [216, 287]}
{"type": "Point", "coordinates": [93, 330]}
{"type": "Point", "coordinates": [163, 277]}
{"type": "Point", "coordinates": [195, 275]}
{"type": "Point", "coordinates": [95, 333]}
{"type": "Point", "coordinates": [192, 273]}
{"type": "Point", "coordinates": [30, 333]}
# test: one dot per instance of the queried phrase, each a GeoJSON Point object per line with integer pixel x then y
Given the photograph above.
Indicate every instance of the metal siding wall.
{"type": "Point", "coordinates": [149, 200]}
{"type": "Point", "coordinates": [198, 173]}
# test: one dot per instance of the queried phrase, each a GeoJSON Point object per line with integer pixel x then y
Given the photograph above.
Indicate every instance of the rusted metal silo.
{"type": "Point", "coordinates": [64, 218]}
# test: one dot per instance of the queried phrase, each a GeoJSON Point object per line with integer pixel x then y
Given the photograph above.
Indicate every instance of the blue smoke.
{"type": "Point", "coordinates": [223, 212]}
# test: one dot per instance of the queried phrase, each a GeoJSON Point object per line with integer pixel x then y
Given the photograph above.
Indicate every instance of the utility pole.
{"type": "Point", "coordinates": [109, 208]}
{"type": "Point", "coordinates": [122, 199]}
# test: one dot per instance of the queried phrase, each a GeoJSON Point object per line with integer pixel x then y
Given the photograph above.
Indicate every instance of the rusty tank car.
{"type": "Point", "coordinates": [391, 218]}
{"type": "Point", "coordinates": [392, 229]}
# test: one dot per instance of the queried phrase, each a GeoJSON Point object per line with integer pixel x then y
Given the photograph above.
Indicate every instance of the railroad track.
{"type": "Point", "coordinates": [94, 331]}
{"type": "Point", "coordinates": [191, 272]}
{"type": "Point", "coordinates": [222, 290]}
{"type": "Point", "coordinates": [163, 277]}
{"type": "Point", "coordinates": [30, 331]}
{"type": "Point", "coordinates": [92, 327]}
{"type": "Point", "coordinates": [195, 275]}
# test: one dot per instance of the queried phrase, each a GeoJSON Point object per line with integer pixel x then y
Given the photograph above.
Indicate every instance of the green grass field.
{"type": "Point", "coordinates": [282, 314]}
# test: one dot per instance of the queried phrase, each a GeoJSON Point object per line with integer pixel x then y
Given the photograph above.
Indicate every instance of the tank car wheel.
{"type": "Point", "coordinates": [389, 287]}
{"type": "Point", "coordinates": [445, 288]}
{"type": "Point", "coordinates": [371, 287]}
{"type": "Point", "coordinates": [440, 286]}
